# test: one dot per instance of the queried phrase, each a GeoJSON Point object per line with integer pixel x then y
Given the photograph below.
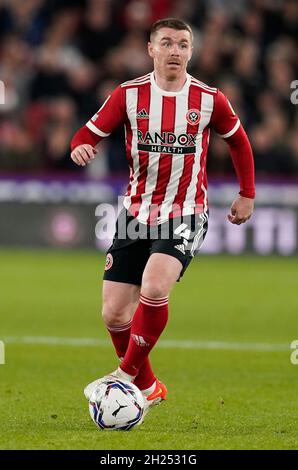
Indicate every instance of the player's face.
{"type": "Point", "coordinates": [170, 50]}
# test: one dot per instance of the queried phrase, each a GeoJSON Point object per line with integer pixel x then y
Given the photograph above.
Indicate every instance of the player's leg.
{"type": "Point", "coordinates": [119, 304]}
{"type": "Point", "coordinates": [150, 318]}
{"type": "Point", "coordinates": [122, 279]}
{"type": "Point", "coordinates": [120, 301]}
{"type": "Point", "coordinates": [160, 274]}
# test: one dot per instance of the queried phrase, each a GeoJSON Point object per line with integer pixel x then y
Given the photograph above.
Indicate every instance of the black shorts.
{"type": "Point", "coordinates": [134, 242]}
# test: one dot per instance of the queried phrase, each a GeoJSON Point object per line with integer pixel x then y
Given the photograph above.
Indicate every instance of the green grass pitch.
{"type": "Point", "coordinates": [220, 396]}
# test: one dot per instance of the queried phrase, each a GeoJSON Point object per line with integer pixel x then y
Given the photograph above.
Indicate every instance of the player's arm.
{"type": "Point", "coordinates": [83, 146]}
{"type": "Point", "coordinates": [227, 124]}
{"type": "Point", "coordinates": [107, 118]}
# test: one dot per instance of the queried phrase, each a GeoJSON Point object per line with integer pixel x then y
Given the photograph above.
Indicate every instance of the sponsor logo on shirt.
{"type": "Point", "coordinates": [164, 142]}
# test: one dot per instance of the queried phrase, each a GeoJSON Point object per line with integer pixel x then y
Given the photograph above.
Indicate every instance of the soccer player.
{"type": "Point", "coordinates": [167, 116]}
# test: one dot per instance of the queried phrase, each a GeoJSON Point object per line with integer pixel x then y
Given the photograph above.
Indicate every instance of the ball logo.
{"type": "Point", "coordinates": [109, 261]}
{"type": "Point", "coordinates": [193, 117]}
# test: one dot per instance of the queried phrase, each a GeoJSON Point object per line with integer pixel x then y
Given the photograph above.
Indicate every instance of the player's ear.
{"type": "Point", "coordinates": [150, 49]}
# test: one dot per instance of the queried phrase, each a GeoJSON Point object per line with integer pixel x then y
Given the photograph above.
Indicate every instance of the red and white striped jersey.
{"type": "Point", "coordinates": [167, 137]}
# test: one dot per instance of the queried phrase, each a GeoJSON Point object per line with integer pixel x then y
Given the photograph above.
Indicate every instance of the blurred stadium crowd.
{"type": "Point", "coordinates": [60, 59]}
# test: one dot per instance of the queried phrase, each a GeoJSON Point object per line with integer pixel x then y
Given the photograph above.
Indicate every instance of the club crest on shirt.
{"type": "Point", "coordinates": [109, 261]}
{"type": "Point", "coordinates": [193, 117]}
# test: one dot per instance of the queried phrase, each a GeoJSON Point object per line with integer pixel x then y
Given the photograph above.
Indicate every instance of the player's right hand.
{"type": "Point", "coordinates": [83, 154]}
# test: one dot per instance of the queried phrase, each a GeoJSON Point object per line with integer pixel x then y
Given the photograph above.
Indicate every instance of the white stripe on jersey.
{"type": "Point", "coordinates": [94, 129]}
{"type": "Point", "coordinates": [90, 124]}
{"type": "Point", "coordinates": [103, 105]}
{"type": "Point", "coordinates": [136, 80]}
{"type": "Point", "coordinates": [194, 81]}
{"type": "Point", "coordinates": [206, 111]}
{"type": "Point", "coordinates": [155, 113]}
{"type": "Point", "coordinates": [131, 111]}
{"type": "Point", "coordinates": [232, 131]}
{"type": "Point", "coordinates": [177, 161]}
{"type": "Point", "coordinates": [126, 85]}
{"type": "Point", "coordinates": [203, 88]}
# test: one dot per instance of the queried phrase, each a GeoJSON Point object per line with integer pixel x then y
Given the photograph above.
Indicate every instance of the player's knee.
{"type": "Point", "coordinates": [154, 289]}
{"type": "Point", "coordinates": [113, 314]}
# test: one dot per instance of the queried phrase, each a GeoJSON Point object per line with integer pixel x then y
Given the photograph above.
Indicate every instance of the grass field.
{"type": "Point", "coordinates": [225, 355]}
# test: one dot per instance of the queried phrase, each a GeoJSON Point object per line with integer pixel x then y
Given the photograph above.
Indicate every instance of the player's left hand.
{"type": "Point", "coordinates": [241, 210]}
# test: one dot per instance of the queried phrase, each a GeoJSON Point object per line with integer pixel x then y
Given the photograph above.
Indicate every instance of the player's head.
{"type": "Point", "coordinates": [170, 47]}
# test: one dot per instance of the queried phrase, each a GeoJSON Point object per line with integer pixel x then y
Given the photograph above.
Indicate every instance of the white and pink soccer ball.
{"type": "Point", "coordinates": [116, 405]}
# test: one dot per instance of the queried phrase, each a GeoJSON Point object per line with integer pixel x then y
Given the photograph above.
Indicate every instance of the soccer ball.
{"type": "Point", "coordinates": [116, 405]}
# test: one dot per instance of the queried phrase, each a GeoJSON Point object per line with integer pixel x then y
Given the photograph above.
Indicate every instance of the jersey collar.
{"type": "Point", "coordinates": [170, 93]}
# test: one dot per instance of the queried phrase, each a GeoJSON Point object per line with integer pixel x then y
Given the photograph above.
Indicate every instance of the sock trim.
{"type": "Point", "coordinates": [154, 302]}
{"type": "Point", "coordinates": [119, 328]}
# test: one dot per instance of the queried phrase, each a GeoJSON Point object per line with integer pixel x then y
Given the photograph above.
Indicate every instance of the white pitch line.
{"type": "Point", "coordinates": [165, 344]}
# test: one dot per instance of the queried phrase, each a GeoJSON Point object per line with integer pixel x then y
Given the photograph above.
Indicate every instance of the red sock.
{"type": "Point", "coordinates": [148, 323]}
{"type": "Point", "coordinates": [120, 336]}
